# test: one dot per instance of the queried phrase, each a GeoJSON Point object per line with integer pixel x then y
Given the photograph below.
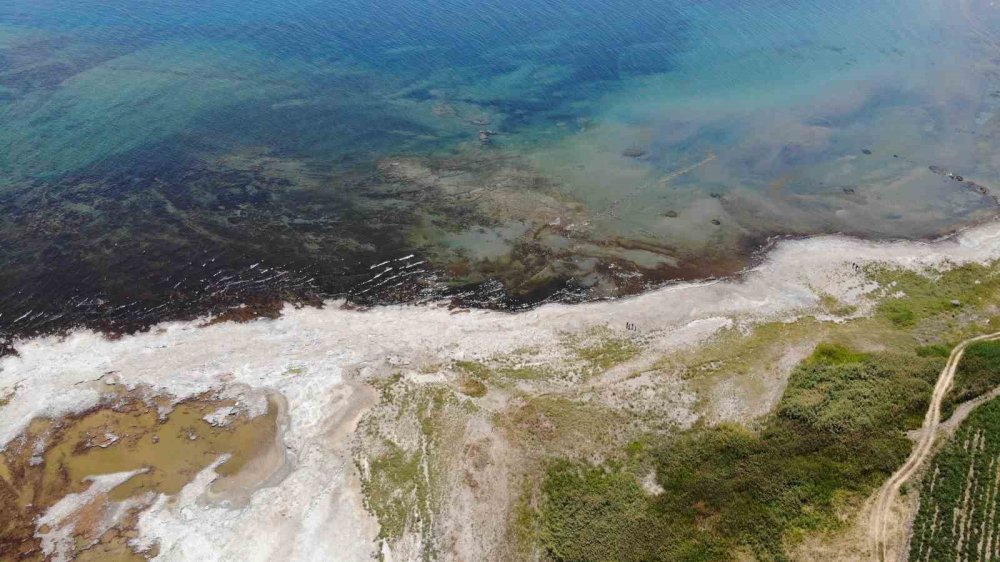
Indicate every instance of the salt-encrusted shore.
{"type": "Point", "coordinates": [313, 356]}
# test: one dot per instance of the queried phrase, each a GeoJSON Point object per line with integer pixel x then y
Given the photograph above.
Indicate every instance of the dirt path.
{"type": "Point", "coordinates": [877, 527]}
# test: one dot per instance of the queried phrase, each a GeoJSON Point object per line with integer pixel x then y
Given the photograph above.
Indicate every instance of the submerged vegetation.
{"type": "Point", "coordinates": [957, 517]}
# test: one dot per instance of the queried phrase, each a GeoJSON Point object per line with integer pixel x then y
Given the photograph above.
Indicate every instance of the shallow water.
{"type": "Point", "coordinates": [167, 158]}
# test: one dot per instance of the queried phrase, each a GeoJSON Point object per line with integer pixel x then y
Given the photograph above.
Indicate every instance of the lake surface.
{"type": "Point", "coordinates": [166, 158]}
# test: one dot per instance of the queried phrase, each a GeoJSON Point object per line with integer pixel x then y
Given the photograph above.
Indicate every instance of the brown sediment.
{"type": "Point", "coordinates": [256, 307]}
{"type": "Point", "coordinates": [631, 278]}
{"type": "Point", "coordinates": [265, 467]}
{"type": "Point", "coordinates": [169, 443]}
{"type": "Point", "coordinates": [645, 245]}
{"type": "Point", "coordinates": [353, 399]}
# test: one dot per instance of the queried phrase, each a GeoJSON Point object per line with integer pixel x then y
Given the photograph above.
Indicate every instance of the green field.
{"type": "Point", "coordinates": [958, 517]}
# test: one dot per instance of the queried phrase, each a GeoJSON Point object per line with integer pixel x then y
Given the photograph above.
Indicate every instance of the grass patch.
{"type": "Point", "coordinates": [395, 491]}
{"type": "Point", "coordinates": [401, 469]}
{"type": "Point", "coordinates": [977, 374]}
{"type": "Point", "coordinates": [527, 372]}
{"type": "Point", "coordinates": [735, 352]}
{"type": "Point", "coordinates": [504, 370]}
{"type": "Point", "coordinates": [474, 368]}
{"type": "Point", "coordinates": [602, 513]}
{"type": "Point", "coordinates": [834, 354]}
{"type": "Point", "coordinates": [525, 533]}
{"type": "Point", "coordinates": [552, 425]}
{"type": "Point", "coordinates": [601, 349]}
{"type": "Point", "coordinates": [934, 350]}
{"type": "Point", "coordinates": [474, 388]}
{"type": "Point", "coordinates": [834, 307]}
{"type": "Point", "coordinates": [910, 296]}
{"type": "Point", "coordinates": [838, 431]}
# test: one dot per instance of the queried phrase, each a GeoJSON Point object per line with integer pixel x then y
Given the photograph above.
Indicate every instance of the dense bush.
{"type": "Point", "coordinates": [977, 374]}
{"type": "Point", "coordinates": [838, 428]}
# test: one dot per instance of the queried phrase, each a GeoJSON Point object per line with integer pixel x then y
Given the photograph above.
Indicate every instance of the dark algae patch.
{"type": "Point", "coordinates": [958, 494]}
{"type": "Point", "coordinates": [500, 154]}
{"type": "Point", "coordinates": [836, 434]}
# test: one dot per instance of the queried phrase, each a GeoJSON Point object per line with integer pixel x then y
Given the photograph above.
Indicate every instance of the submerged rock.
{"type": "Point", "coordinates": [634, 152]}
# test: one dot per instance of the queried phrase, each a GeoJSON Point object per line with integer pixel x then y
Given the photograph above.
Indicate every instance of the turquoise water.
{"type": "Point", "coordinates": [517, 149]}
{"type": "Point", "coordinates": [84, 81]}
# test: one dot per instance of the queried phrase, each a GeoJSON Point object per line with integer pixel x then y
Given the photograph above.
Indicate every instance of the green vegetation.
{"type": "Point", "coordinates": [526, 372]}
{"type": "Point", "coordinates": [474, 388]}
{"type": "Point", "coordinates": [401, 474]}
{"type": "Point", "coordinates": [557, 425]}
{"type": "Point", "coordinates": [524, 525]}
{"type": "Point", "coordinates": [957, 519]}
{"type": "Point", "coordinates": [836, 434]}
{"type": "Point", "coordinates": [834, 437]}
{"type": "Point", "coordinates": [503, 370]}
{"type": "Point", "coordinates": [602, 513]}
{"type": "Point", "coordinates": [977, 374]}
{"type": "Point", "coordinates": [396, 490]}
{"type": "Point", "coordinates": [601, 349]}
{"type": "Point", "coordinates": [935, 350]}
{"type": "Point", "coordinates": [909, 296]}
{"type": "Point", "coordinates": [834, 307]}
{"type": "Point", "coordinates": [735, 351]}
{"type": "Point", "coordinates": [474, 368]}
{"type": "Point", "coordinates": [835, 354]}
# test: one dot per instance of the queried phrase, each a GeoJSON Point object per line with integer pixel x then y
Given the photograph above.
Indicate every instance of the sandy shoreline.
{"type": "Point", "coordinates": [312, 357]}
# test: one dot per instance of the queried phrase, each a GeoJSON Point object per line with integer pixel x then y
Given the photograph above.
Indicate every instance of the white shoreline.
{"type": "Point", "coordinates": [306, 354]}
